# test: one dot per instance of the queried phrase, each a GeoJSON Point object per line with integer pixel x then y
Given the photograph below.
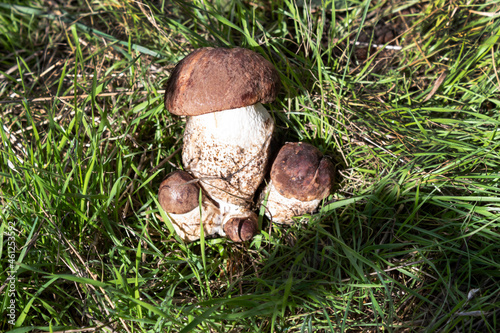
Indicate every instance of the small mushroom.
{"type": "Point", "coordinates": [228, 131]}
{"type": "Point", "coordinates": [241, 228]}
{"type": "Point", "coordinates": [179, 197]}
{"type": "Point", "coordinates": [300, 178]}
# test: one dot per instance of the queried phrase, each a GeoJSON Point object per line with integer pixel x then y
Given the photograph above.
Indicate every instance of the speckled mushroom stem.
{"type": "Point", "coordinates": [228, 152]}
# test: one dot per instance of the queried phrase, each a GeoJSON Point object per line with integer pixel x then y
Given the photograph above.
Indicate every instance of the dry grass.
{"type": "Point", "coordinates": [407, 243]}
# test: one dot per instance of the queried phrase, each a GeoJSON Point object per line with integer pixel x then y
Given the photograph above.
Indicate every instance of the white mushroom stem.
{"type": "Point", "coordinates": [187, 225]}
{"type": "Point", "coordinates": [228, 152]}
{"type": "Point", "coordinates": [228, 211]}
{"type": "Point", "coordinates": [280, 209]}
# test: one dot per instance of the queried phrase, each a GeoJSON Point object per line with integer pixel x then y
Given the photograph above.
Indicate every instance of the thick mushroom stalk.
{"type": "Point", "coordinates": [179, 197]}
{"type": "Point", "coordinates": [228, 152]}
{"type": "Point", "coordinates": [300, 178]}
{"type": "Point", "coordinates": [228, 132]}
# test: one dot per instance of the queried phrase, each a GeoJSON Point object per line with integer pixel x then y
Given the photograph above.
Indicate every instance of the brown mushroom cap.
{"type": "Point", "coordinates": [300, 171]}
{"type": "Point", "coordinates": [241, 229]}
{"type": "Point", "coordinates": [178, 193]}
{"type": "Point", "coordinates": [216, 79]}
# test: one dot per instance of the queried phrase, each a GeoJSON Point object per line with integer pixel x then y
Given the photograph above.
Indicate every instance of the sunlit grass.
{"type": "Point", "coordinates": [409, 240]}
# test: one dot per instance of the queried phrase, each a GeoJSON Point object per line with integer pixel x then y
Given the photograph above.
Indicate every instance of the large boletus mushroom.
{"type": "Point", "coordinates": [228, 131]}
{"type": "Point", "coordinates": [179, 196]}
{"type": "Point", "coordinates": [300, 178]}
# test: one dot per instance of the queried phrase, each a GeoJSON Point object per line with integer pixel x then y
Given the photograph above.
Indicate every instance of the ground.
{"type": "Point", "coordinates": [402, 96]}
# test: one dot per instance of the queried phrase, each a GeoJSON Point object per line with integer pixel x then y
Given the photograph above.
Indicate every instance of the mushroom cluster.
{"type": "Point", "coordinates": [227, 147]}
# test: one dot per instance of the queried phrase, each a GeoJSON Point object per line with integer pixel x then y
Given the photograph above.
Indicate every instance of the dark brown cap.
{"type": "Point", "coordinates": [300, 171]}
{"type": "Point", "coordinates": [216, 79]}
{"type": "Point", "coordinates": [241, 229]}
{"type": "Point", "coordinates": [178, 193]}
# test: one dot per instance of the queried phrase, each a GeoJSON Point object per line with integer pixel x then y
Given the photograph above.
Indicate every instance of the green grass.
{"type": "Point", "coordinates": [408, 242]}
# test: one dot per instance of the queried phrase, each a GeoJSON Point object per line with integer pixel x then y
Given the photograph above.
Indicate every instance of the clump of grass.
{"type": "Point", "coordinates": [409, 241]}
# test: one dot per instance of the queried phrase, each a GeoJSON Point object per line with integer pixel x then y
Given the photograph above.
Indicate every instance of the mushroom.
{"type": "Point", "coordinates": [228, 131]}
{"type": "Point", "coordinates": [179, 196]}
{"type": "Point", "coordinates": [241, 228]}
{"type": "Point", "coordinates": [300, 178]}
